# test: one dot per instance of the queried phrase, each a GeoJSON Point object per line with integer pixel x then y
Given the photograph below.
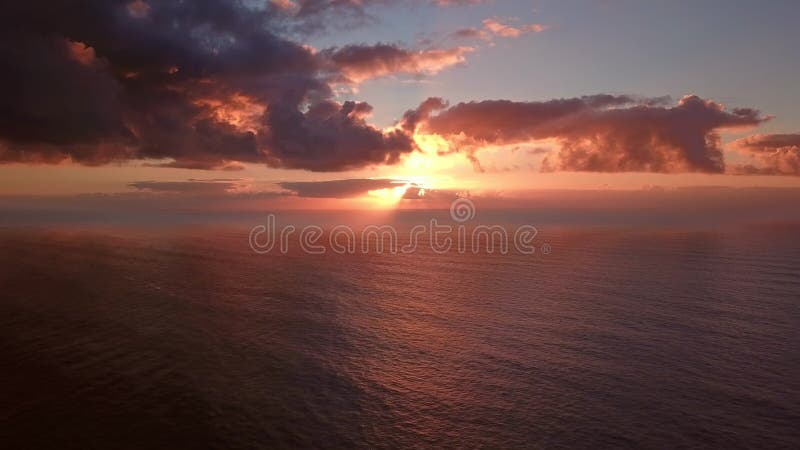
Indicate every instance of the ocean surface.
{"type": "Point", "coordinates": [183, 337]}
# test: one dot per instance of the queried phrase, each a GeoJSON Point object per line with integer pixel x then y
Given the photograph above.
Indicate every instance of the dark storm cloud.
{"type": "Point", "coordinates": [349, 188]}
{"type": "Point", "coordinates": [196, 84]}
{"type": "Point", "coordinates": [330, 137]}
{"type": "Point", "coordinates": [601, 133]}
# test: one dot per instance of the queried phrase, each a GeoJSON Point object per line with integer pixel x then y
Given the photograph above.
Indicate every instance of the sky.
{"type": "Point", "coordinates": [382, 103]}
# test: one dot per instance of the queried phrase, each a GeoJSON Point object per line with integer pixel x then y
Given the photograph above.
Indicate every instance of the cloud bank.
{"type": "Point", "coordinates": [772, 154]}
{"type": "Point", "coordinates": [216, 84]}
{"type": "Point", "coordinates": [599, 133]}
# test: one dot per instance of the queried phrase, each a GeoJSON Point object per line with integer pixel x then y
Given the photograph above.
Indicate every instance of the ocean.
{"type": "Point", "coordinates": [183, 337]}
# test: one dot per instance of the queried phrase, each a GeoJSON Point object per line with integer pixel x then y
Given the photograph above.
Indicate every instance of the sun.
{"type": "Point", "coordinates": [388, 197]}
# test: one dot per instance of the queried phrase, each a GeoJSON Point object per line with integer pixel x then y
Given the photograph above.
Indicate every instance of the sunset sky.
{"type": "Point", "coordinates": [377, 103]}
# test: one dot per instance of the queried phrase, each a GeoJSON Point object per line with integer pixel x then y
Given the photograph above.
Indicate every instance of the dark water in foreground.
{"type": "Point", "coordinates": [186, 339]}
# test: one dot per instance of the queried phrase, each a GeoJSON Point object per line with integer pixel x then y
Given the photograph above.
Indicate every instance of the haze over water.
{"type": "Point", "coordinates": [184, 337]}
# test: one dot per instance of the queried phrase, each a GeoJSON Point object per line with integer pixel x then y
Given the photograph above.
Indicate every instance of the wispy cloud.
{"type": "Point", "coordinates": [494, 27]}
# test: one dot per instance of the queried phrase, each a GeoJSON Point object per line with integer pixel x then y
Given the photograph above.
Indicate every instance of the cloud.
{"type": "Point", "coordinates": [217, 84]}
{"type": "Point", "coordinates": [496, 27]}
{"type": "Point", "coordinates": [772, 154]}
{"type": "Point", "coordinates": [362, 62]}
{"type": "Point", "coordinates": [201, 85]}
{"type": "Point", "coordinates": [318, 16]}
{"type": "Point", "coordinates": [138, 9]}
{"type": "Point", "coordinates": [348, 188]}
{"type": "Point", "coordinates": [470, 33]}
{"type": "Point", "coordinates": [412, 118]}
{"type": "Point", "coordinates": [600, 133]}
{"type": "Point", "coordinates": [186, 187]}
{"type": "Point", "coordinates": [330, 137]}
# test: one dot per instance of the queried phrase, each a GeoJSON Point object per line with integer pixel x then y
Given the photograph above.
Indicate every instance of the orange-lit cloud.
{"type": "Point", "coordinates": [496, 27]}
{"type": "Point", "coordinates": [81, 52]}
{"type": "Point", "coordinates": [358, 63]}
{"type": "Point", "coordinates": [601, 133]}
{"type": "Point", "coordinates": [771, 154]}
{"type": "Point", "coordinates": [505, 29]}
{"type": "Point", "coordinates": [138, 9]}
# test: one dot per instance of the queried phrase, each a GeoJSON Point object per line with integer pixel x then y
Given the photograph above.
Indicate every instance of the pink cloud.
{"type": "Point", "coordinates": [496, 27]}
{"type": "Point", "coordinates": [771, 154]}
